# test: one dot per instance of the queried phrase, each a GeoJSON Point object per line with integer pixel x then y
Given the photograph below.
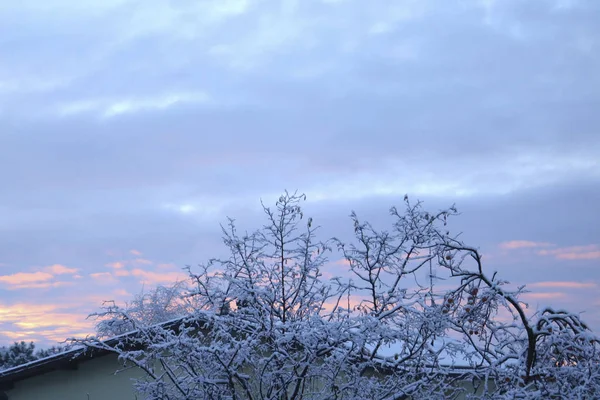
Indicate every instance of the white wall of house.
{"type": "Point", "coordinates": [94, 379]}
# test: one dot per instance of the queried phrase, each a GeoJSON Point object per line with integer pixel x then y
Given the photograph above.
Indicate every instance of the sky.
{"type": "Point", "coordinates": [130, 129]}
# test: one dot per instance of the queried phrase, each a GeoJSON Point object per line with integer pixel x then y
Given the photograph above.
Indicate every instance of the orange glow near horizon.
{"type": "Point", "coordinates": [41, 322]}
{"type": "Point", "coordinates": [47, 323]}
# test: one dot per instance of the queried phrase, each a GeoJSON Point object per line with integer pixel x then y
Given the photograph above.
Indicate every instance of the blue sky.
{"type": "Point", "coordinates": [130, 129]}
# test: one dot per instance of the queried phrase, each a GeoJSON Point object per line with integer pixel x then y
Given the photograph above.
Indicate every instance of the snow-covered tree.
{"type": "Point", "coordinates": [22, 352]}
{"type": "Point", "coordinates": [266, 324]}
{"type": "Point", "coordinates": [16, 354]}
{"type": "Point", "coordinates": [160, 304]}
{"type": "Point", "coordinates": [52, 350]}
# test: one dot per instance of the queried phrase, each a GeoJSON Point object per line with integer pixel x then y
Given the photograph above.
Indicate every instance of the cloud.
{"type": "Point", "coordinates": [58, 269]}
{"type": "Point", "coordinates": [336, 268]}
{"type": "Point", "coordinates": [35, 321]}
{"type": "Point", "coordinates": [153, 278]}
{"type": "Point", "coordinates": [544, 296]}
{"type": "Point", "coordinates": [151, 121]}
{"type": "Point", "coordinates": [522, 244]}
{"type": "Point", "coordinates": [39, 279]}
{"type": "Point", "coordinates": [351, 302]}
{"type": "Point", "coordinates": [137, 261]}
{"type": "Point", "coordinates": [122, 293]}
{"type": "Point", "coordinates": [13, 311]}
{"type": "Point", "coordinates": [114, 108]}
{"type": "Point", "coordinates": [116, 264]}
{"type": "Point", "coordinates": [102, 276]}
{"type": "Point", "coordinates": [565, 285]}
{"type": "Point", "coordinates": [590, 252]}
{"type": "Point", "coordinates": [24, 278]}
{"type": "Point", "coordinates": [44, 285]}
{"type": "Point", "coordinates": [181, 20]}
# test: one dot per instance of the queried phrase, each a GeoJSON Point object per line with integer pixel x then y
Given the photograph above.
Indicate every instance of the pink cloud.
{"type": "Point", "coordinates": [523, 244]}
{"type": "Point", "coordinates": [21, 278]}
{"type": "Point", "coordinates": [34, 321]}
{"type": "Point", "coordinates": [135, 252]}
{"type": "Point", "coordinates": [340, 267]}
{"type": "Point", "coordinates": [566, 285]}
{"type": "Point", "coordinates": [42, 285]}
{"type": "Point", "coordinates": [30, 321]}
{"type": "Point", "coordinates": [37, 280]}
{"type": "Point", "coordinates": [589, 252]}
{"type": "Point", "coordinates": [157, 277]}
{"type": "Point", "coordinates": [58, 269]}
{"type": "Point", "coordinates": [122, 293]}
{"type": "Point", "coordinates": [544, 296]}
{"type": "Point", "coordinates": [116, 264]}
{"type": "Point", "coordinates": [15, 311]}
{"type": "Point", "coordinates": [353, 301]}
{"type": "Point", "coordinates": [102, 276]}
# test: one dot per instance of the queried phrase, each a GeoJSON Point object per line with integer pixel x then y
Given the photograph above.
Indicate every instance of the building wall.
{"type": "Point", "coordinates": [94, 379]}
{"type": "Point", "coordinates": [468, 386]}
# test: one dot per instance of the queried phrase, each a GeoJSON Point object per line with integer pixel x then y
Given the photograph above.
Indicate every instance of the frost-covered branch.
{"type": "Point", "coordinates": [263, 323]}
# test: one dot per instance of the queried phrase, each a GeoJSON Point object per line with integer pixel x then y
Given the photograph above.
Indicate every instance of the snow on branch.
{"type": "Point", "coordinates": [265, 324]}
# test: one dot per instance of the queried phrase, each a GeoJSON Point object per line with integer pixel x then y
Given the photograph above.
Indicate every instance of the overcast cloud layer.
{"type": "Point", "coordinates": [130, 129]}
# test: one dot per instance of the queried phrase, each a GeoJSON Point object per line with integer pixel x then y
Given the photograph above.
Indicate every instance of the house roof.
{"type": "Point", "coordinates": [66, 360]}
{"type": "Point", "coordinates": [69, 359]}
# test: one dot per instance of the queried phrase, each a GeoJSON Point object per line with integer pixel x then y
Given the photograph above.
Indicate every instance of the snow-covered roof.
{"type": "Point", "coordinates": [65, 360]}
{"type": "Point", "coordinates": [71, 358]}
